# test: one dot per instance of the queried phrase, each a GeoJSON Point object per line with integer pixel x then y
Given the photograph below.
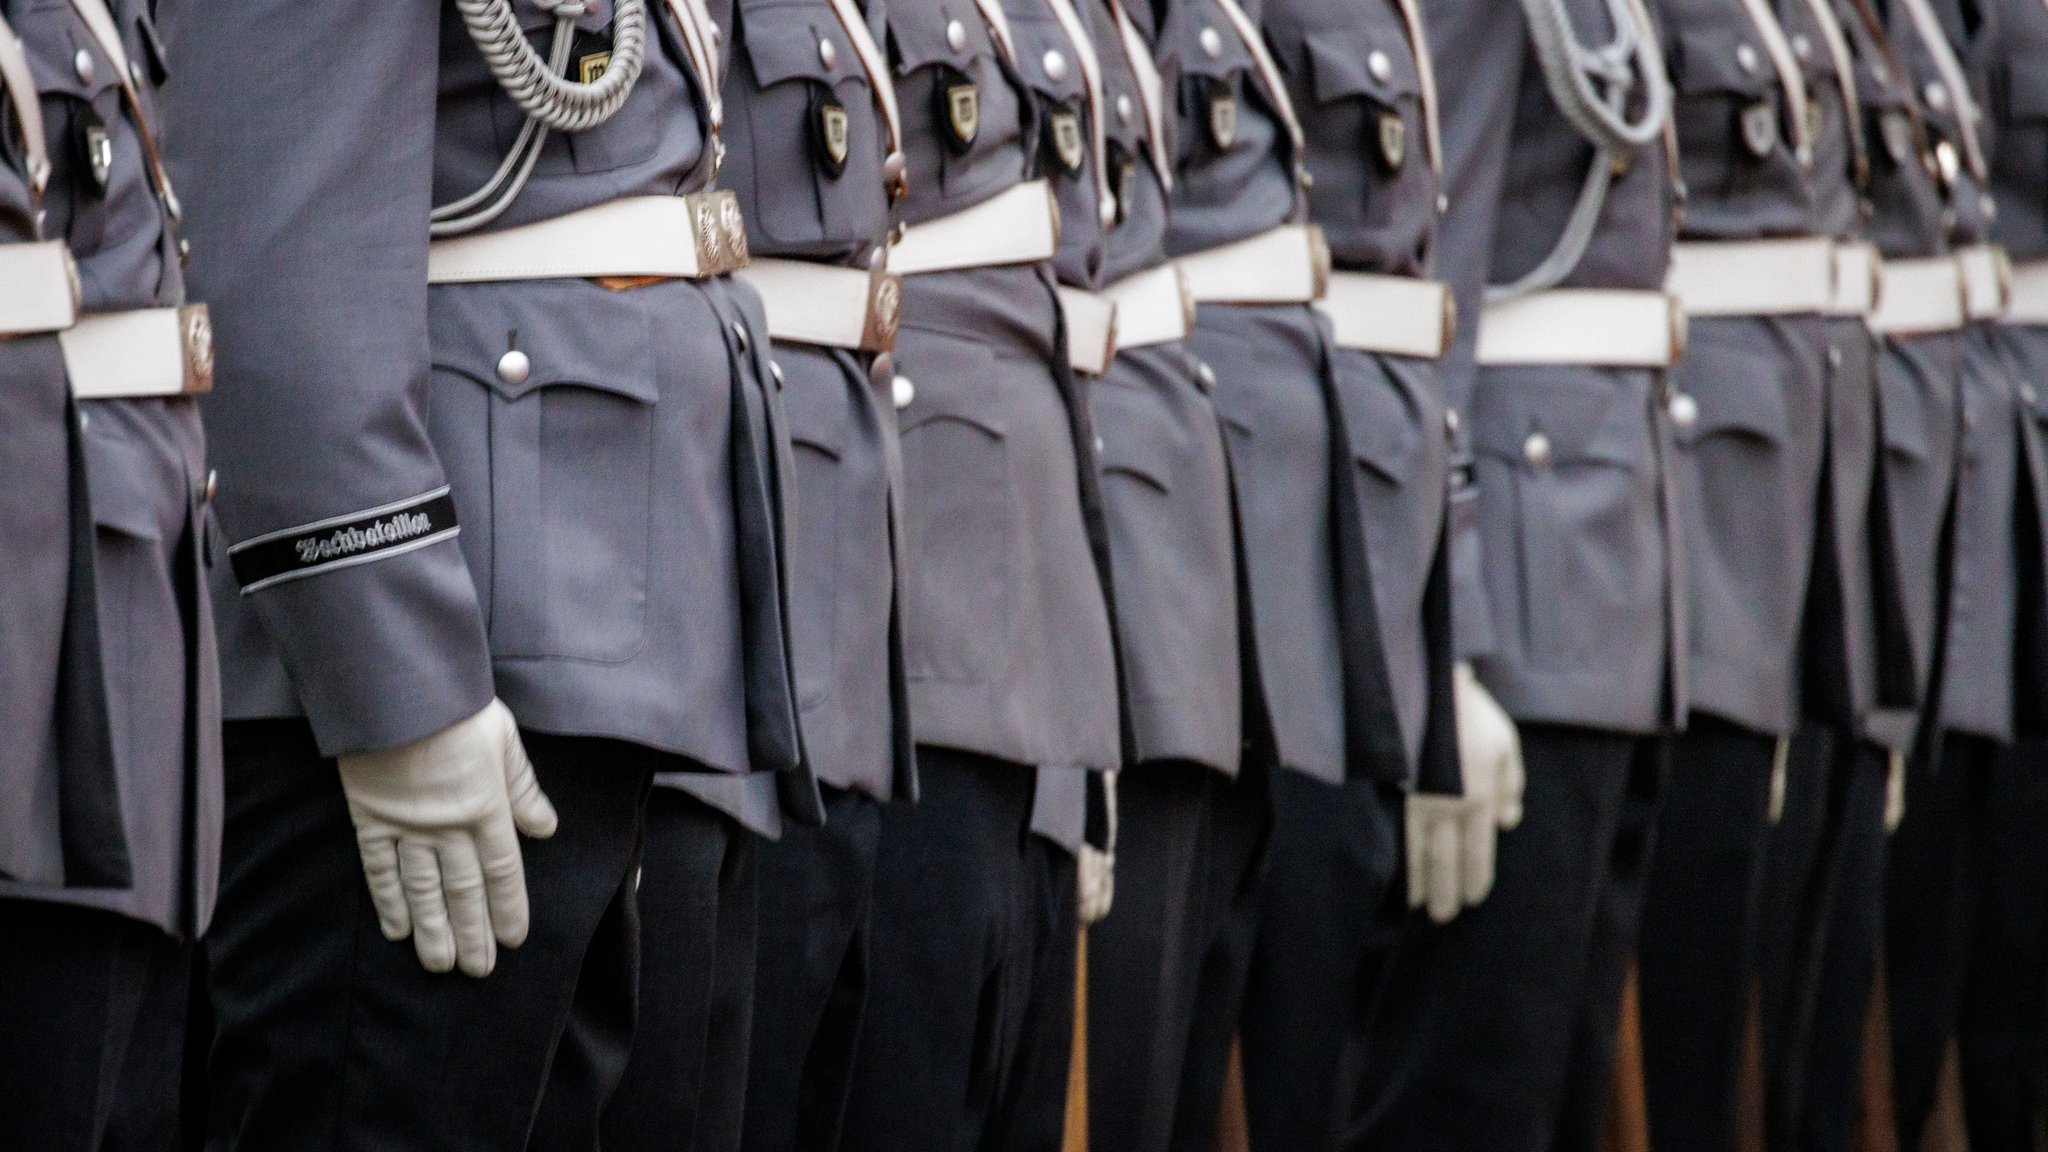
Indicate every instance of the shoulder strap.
{"type": "Point", "coordinates": [1928, 25]}
{"type": "Point", "coordinates": [1270, 78]}
{"type": "Point", "coordinates": [1151, 87]}
{"type": "Point", "coordinates": [693, 20]}
{"type": "Point", "coordinates": [1790, 78]}
{"type": "Point", "coordinates": [1425, 74]}
{"type": "Point", "coordinates": [20, 88]}
{"type": "Point", "coordinates": [999, 27]}
{"type": "Point", "coordinates": [107, 34]}
{"type": "Point", "coordinates": [876, 63]}
{"type": "Point", "coordinates": [1845, 76]}
{"type": "Point", "coordinates": [1091, 80]}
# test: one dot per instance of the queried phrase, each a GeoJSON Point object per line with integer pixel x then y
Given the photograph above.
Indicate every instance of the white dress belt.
{"type": "Point", "coordinates": [1393, 315]}
{"type": "Point", "coordinates": [1919, 297]}
{"type": "Point", "coordinates": [1781, 277]}
{"type": "Point", "coordinates": [827, 304]}
{"type": "Point", "coordinates": [144, 352]}
{"type": "Point", "coordinates": [1285, 265]}
{"type": "Point", "coordinates": [38, 288]}
{"type": "Point", "coordinates": [680, 237]}
{"type": "Point", "coordinates": [2029, 301]}
{"type": "Point", "coordinates": [1020, 225]}
{"type": "Point", "coordinates": [1987, 281]}
{"type": "Point", "coordinates": [1138, 311]}
{"type": "Point", "coordinates": [1605, 327]}
{"type": "Point", "coordinates": [1858, 268]}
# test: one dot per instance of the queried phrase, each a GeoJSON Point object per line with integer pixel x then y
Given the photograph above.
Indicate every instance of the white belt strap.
{"type": "Point", "coordinates": [20, 88]}
{"type": "Point", "coordinates": [1425, 75]}
{"type": "Point", "coordinates": [2029, 302]}
{"type": "Point", "coordinates": [1790, 78]}
{"type": "Point", "coordinates": [1785, 277]}
{"type": "Point", "coordinates": [686, 237]}
{"type": "Point", "coordinates": [1858, 268]}
{"type": "Point", "coordinates": [1020, 225]}
{"type": "Point", "coordinates": [1270, 77]}
{"type": "Point", "coordinates": [1615, 328]}
{"type": "Point", "coordinates": [107, 34]}
{"type": "Point", "coordinates": [700, 38]}
{"type": "Point", "coordinates": [999, 27]}
{"type": "Point", "coordinates": [1151, 89]}
{"type": "Point", "coordinates": [1987, 281]}
{"type": "Point", "coordinates": [875, 63]}
{"type": "Point", "coordinates": [827, 305]}
{"type": "Point", "coordinates": [1935, 40]}
{"type": "Point", "coordinates": [146, 352]}
{"type": "Point", "coordinates": [1393, 315]}
{"type": "Point", "coordinates": [1845, 76]}
{"type": "Point", "coordinates": [1142, 309]}
{"type": "Point", "coordinates": [1091, 82]}
{"type": "Point", "coordinates": [1919, 297]}
{"type": "Point", "coordinates": [38, 288]}
{"type": "Point", "coordinates": [1285, 265]}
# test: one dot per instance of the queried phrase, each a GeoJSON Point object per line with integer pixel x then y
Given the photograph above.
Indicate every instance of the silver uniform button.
{"type": "Point", "coordinates": [1451, 422]}
{"type": "Point", "coordinates": [739, 333]}
{"type": "Point", "coordinates": [515, 368]}
{"type": "Point", "coordinates": [1212, 42]}
{"type": "Point", "coordinates": [1685, 411]}
{"type": "Point", "coordinates": [1055, 65]}
{"type": "Point", "coordinates": [1124, 111]}
{"type": "Point", "coordinates": [1747, 59]}
{"type": "Point", "coordinates": [82, 63]}
{"type": "Point", "coordinates": [212, 488]}
{"type": "Point", "coordinates": [135, 72]}
{"type": "Point", "coordinates": [2028, 394]}
{"type": "Point", "coordinates": [956, 35]}
{"type": "Point", "coordinates": [1381, 67]}
{"type": "Point", "coordinates": [902, 392]}
{"type": "Point", "coordinates": [1835, 357]}
{"type": "Point", "coordinates": [1935, 95]}
{"type": "Point", "coordinates": [1536, 449]}
{"type": "Point", "coordinates": [775, 370]}
{"type": "Point", "coordinates": [1802, 47]}
{"type": "Point", "coordinates": [827, 54]}
{"type": "Point", "coordinates": [1205, 374]}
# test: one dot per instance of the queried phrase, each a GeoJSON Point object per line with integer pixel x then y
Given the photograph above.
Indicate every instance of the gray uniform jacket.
{"type": "Point", "coordinates": [143, 775]}
{"type": "Point", "coordinates": [1165, 479]}
{"type": "Point", "coordinates": [1375, 197]}
{"type": "Point", "coordinates": [846, 608]}
{"type": "Point", "coordinates": [617, 571]}
{"type": "Point", "coordinates": [1010, 647]}
{"type": "Point", "coordinates": [1571, 596]}
{"type": "Point", "coordinates": [2014, 67]}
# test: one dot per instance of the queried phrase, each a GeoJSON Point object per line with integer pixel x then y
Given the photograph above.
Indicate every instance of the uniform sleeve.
{"type": "Point", "coordinates": [1479, 48]}
{"type": "Point", "coordinates": [302, 136]}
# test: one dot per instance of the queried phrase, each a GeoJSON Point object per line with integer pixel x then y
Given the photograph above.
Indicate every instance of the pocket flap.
{"type": "Point", "coordinates": [1042, 50]}
{"type": "Point", "coordinates": [789, 43]}
{"type": "Point", "coordinates": [1380, 415]}
{"type": "Point", "coordinates": [1567, 405]}
{"type": "Point", "coordinates": [952, 379]}
{"type": "Point", "coordinates": [1739, 391]}
{"type": "Point", "coordinates": [921, 41]}
{"type": "Point", "coordinates": [1201, 25]}
{"type": "Point", "coordinates": [571, 332]}
{"type": "Point", "coordinates": [1341, 68]}
{"type": "Point", "coordinates": [1722, 60]}
{"type": "Point", "coordinates": [122, 484]}
{"type": "Point", "coordinates": [1137, 440]}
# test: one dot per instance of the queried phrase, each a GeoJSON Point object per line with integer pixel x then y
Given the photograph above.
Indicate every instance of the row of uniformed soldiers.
{"type": "Point", "coordinates": [736, 523]}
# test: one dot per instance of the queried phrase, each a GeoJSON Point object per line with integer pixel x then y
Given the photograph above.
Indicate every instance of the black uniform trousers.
{"type": "Point", "coordinates": [1496, 1032]}
{"type": "Point", "coordinates": [93, 1010]}
{"type": "Point", "coordinates": [970, 1016]}
{"type": "Point", "coordinates": [1697, 959]}
{"type": "Point", "coordinates": [1823, 909]}
{"type": "Point", "coordinates": [1181, 864]}
{"type": "Point", "coordinates": [817, 886]}
{"type": "Point", "coordinates": [328, 1036]}
{"type": "Point", "coordinates": [684, 1088]}
{"type": "Point", "coordinates": [1967, 921]}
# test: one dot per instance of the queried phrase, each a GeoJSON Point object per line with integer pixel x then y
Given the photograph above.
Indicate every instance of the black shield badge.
{"type": "Point", "coordinates": [1393, 141]}
{"type": "Point", "coordinates": [1760, 128]}
{"type": "Point", "coordinates": [959, 110]}
{"type": "Point", "coordinates": [1067, 146]}
{"type": "Point", "coordinates": [830, 132]}
{"type": "Point", "coordinates": [95, 149]}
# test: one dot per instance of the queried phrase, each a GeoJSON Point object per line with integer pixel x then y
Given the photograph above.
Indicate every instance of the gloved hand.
{"type": "Point", "coordinates": [1098, 865]}
{"type": "Point", "coordinates": [434, 822]}
{"type": "Point", "coordinates": [1451, 839]}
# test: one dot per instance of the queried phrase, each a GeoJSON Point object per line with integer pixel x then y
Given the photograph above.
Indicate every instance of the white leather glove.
{"type": "Point", "coordinates": [1451, 839]}
{"type": "Point", "coordinates": [434, 822]}
{"type": "Point", "coordinates": [1098, 865]}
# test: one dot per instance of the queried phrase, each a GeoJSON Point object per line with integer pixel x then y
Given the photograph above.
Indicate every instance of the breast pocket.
{"type": "Point", "coordinates": [962, 526]}
{"type": "Point", "coordinates": [812, 144]}
{"type": "Point", "coordinates": [1729, 118]}
{"type": "Point", "coordinates": [551, 469]}
{"type": "Point", "coordinates": [950, 74]}
{"type": "Point", "coordinates": [1053, 74]}
{"type": "Point", "coordinates": [90, 142]}
{"type": "Point", "coordinates": [1368, 105]}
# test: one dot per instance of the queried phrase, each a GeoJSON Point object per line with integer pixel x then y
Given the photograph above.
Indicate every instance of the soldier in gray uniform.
{"type": "Point", "coordinates": [508, 467]}
{"type": "Point", "coordinates": [813, 134]}
{"type": "Point", "coordinates": [109, 752]}
{"type": "Point", "coordinates": [1496, 1031]}
{"type": "Point", "coordinates": [1012, 672]}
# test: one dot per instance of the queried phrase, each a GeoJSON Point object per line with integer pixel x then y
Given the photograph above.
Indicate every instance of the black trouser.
{"type": "Point", "coordinates": [1823, 914]}
{"type": "Point", "coordinates": [817, 886]}
{"type": "Point", "coordinates": [1697, 959]}
{"type": "Point", "coordinates": [1145, 961]}
{"type": "Point", "coordinates": [684, 1089]}
{"type": "Point", "coordinates": [329, 1036]}
{"type": "Point", "coordinates": [1967, 921]}
{"type": "Point", "coordinates": [92, 1031]}
{"type": "Point", "coordinates": [970, 1016]}
{"type": "Point", "coordinates": [1496, 1032]}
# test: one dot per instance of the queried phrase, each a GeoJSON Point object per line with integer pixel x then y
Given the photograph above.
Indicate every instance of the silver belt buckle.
{"type": "Point", "coordinates": [720, 233]}
{"type": "Point", "coordinates": [884, 312]}
{"type": "Point", "coordinates": [195, 336]}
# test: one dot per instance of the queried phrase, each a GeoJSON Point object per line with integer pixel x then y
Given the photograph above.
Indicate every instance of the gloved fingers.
{"type": "Point", "coordinates": [387, 893]}
{"type": "Point", "coordinates": [1444, 858]}
{"type": "Point", "coordinates": [1514, 778]}
{"type": "Point", "coordinates": [420, 869]}
{"type": "Point", "coordinates": [1481, 829]}
{"type": "Point", "coordinates": [1417, 842]}
{"type": "Point", "coordinates": [469, 916]}
{"type": "Point", "coordinates": [504, 871]}
{"type": "Point", "coordinates": [531, 809]}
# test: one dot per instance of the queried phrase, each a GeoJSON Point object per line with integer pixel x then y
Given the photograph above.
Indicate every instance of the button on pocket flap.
{"type": "Point", "coordinates": [1722, 60]}
{"type": "Point", "coordinates": [1345, 63]}
{"type": "Point", "coordinates": [1549, 415]}
{"type": "Point", "coordinates": [953, 379]}
{"type": "Point", "coordinates": [923, 40]}
{"type": "Point", "coordinates": [2026, 84]}
{"type": "Point", "coordinates": [67, 62]}
{"type": "Point", "coordinates": [792, 43]}
{"type": "Point", "coordinates": [1739, 390]}
{"type": "Point", "coordinates": [1207, 44]}
{"type": "Point", "coordinates": [122, 481]}
{"type": "Point", "coordinates": [1047, 60]}
{"type": "Point", "coordinates": [517, 338]}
